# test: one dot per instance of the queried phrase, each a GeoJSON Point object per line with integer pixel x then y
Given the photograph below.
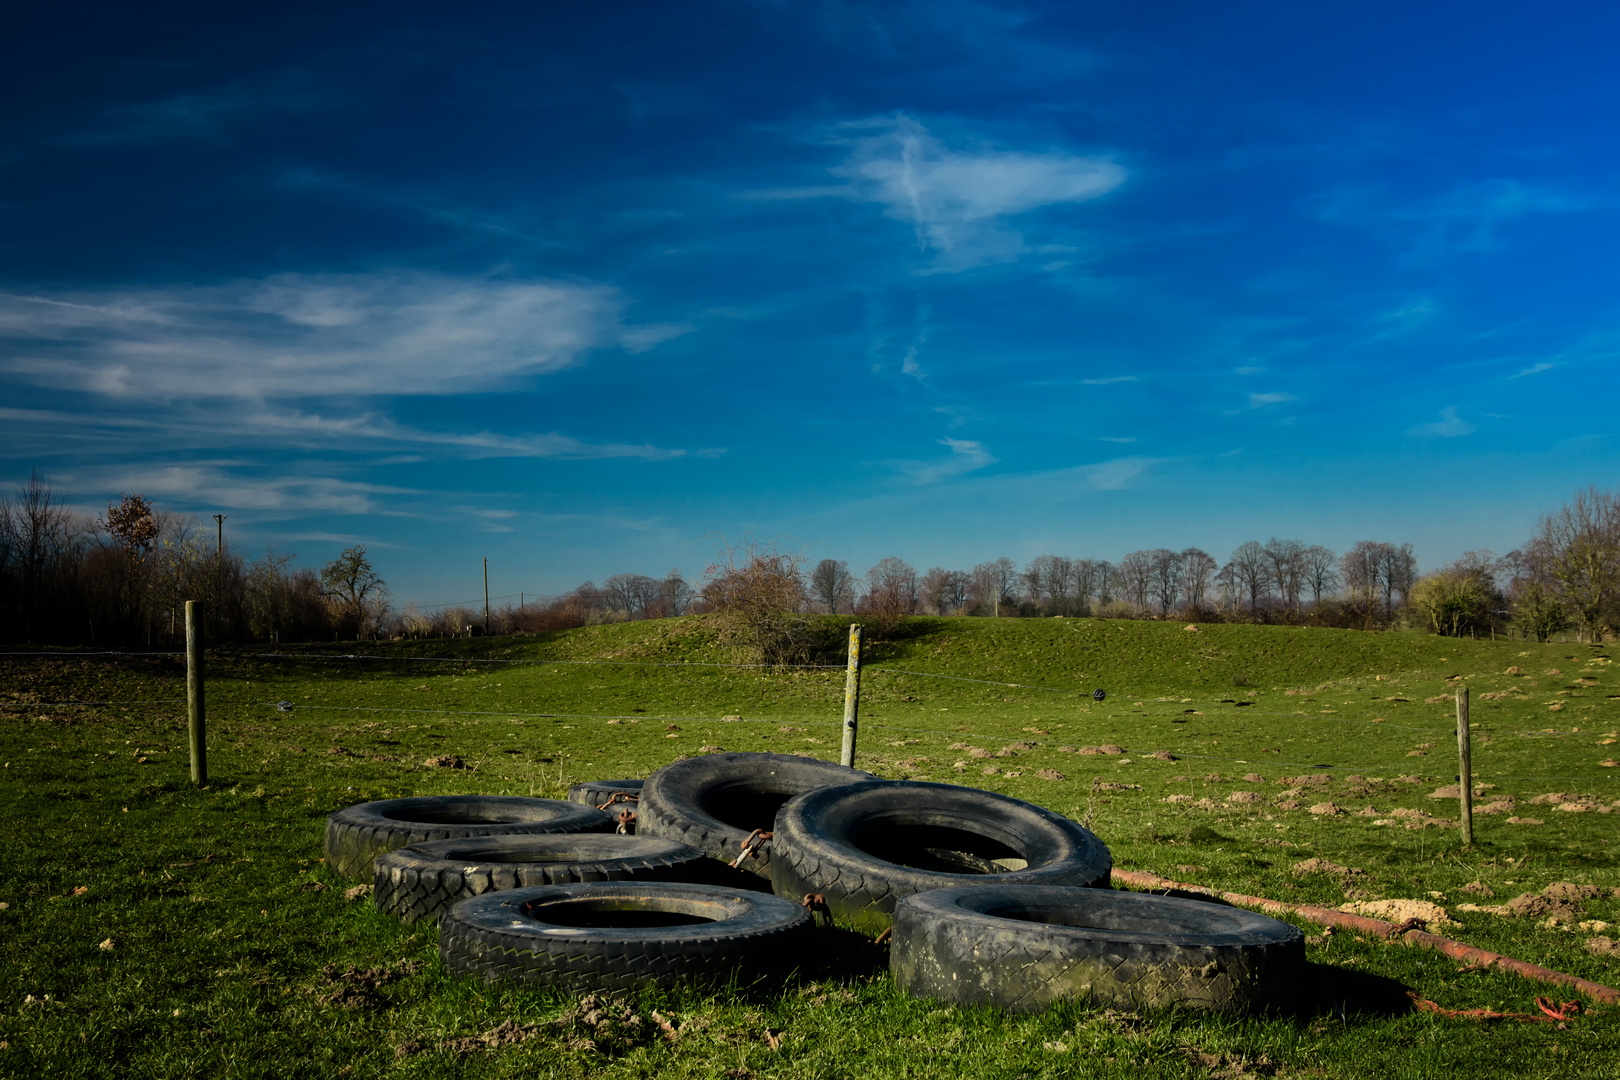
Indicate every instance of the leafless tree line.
{"type": "Point", "coordinates": [123, 577]}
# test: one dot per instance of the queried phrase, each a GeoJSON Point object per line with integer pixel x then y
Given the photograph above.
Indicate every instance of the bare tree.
{"type": "Point", "coordinates": [935, 589]}
{"type": "Point", "coordinates": [1397, 570]}
{"type": "Point", "coordinates": [1035, 578]}
{"type": "Point", "coordinates": [891, 593]}
{"type": "Point", "coordinates": [354, 588]}
{"type": "Point", "coordinates": [1060, 584]}
{"type": "Point", "coordinates": [995, 583]}
{"type": "Point", "coordinates": [758, 593]}
{"type": "Point", "coordinates": [959, 588]}
{"type": "Point", "coordinates": [1166, 570]}
{"type": "Point", "coordinates": [1360, 568]}
{"type": "Point", "coordinates": [1577, 550]}
{"type": "Point", "coordinates": [1319, 571]}
{"type": "Point", "coordinates": [1198, 569]}
{"type": "Point", "coordinates": [1251, 570]}
{"type": "Point", "coordinates": [1107, 581]}
{"type": "Point", "coordinates": [1286, 569]}
{"type": "Point", "coordinates": [1136, 577]}
{"type": "Point", "coordinates": [676, 594]}
{"type": "Point", "coordinates": [832, 585]}
{"type": "Point", "coordinates": [1084, 574]}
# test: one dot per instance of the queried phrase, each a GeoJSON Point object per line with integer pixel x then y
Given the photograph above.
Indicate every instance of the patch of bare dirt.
{"type": "Point", "coordinates": [1479, 888]}
{"type": "Point", "coordinates": [506, 1033]}
{"type": "Point", "coordinates": [1604, 946]}
{"type": "Point", "coordinates": [1536, 906]}
{"type": "Point", "coordinates": [1322, 866]}
{"type": "Point", "coordinates": [1245, 798]}
{"type": "Point", "coordinates": [1399, 911]}
{"type": "Point", "coordinates": [444, 761]}
{"type": "Point", "coordinates": [1226, 1066]}
{"type": "Point", "coordinates": [1569, 890]}
{"type": "Point", "coordinates": [1327, 809]}
{"type": "Point", "coordinates": [356, 988]}
{"type": "Point", "coordinates": [1050, 774]}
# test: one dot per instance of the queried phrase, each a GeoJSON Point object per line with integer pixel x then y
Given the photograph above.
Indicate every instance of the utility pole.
{"type": "Point", "coordinates": [219, 560]}
{"type": "Point", "coordinates": [486, 596]}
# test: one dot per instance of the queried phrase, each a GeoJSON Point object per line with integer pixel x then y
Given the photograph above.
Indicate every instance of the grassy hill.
{"type": "Point", "coordinates": [1203, 762]}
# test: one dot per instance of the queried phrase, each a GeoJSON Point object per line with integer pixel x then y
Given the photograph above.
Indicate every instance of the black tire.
{"type": "Point", "coordinates": [597, 793]}
{"type": "Point", "coordinates": [356, 835]}
{"type": "Point", "coordinates": [714, 802]}
{"type": "Point", "coordinates": [419, 881]}
{"type": "Point", "coordinates": [621, 935]}
{"type": "Point", "coordinates": [1024, 947]}
{"type": "Point", "coordinates": [864, 846]}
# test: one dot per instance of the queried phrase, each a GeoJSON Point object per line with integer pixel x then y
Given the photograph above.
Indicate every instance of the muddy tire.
{"type": "Point", "coordinates": [1024, 947]}
{"type": "Point", "coordinates": [598, 792]}
{"type": "Point", "coordinates": [713, 802]}
{"type": "Point", "coordinates": [419, 881]}
{"type": "Point", "coordinates": [621, 936]}
{"type": "Point", "coordinates": [864, 846]}
{"type": "Point", "coordinates": [356, 835]}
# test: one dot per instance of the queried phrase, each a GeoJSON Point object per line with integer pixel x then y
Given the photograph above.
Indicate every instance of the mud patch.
{"type": "Point", "coordinates": [1401, 911]}
{"type": "Point", "coordinates": [356, 988]}
{"type": "Point", "coordinates": [1322, 866]}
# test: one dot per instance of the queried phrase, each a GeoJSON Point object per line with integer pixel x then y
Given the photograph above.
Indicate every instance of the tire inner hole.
{"type": "Point", "coordinates": [939, 848]}
{"type": "Point", "coordinates": [635, 913]}
{"type": "Point", "coordinates": [746, 808]}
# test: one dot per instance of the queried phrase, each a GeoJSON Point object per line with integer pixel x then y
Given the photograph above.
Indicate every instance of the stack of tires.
{"type": "Point", "coordinates": [990, 900]}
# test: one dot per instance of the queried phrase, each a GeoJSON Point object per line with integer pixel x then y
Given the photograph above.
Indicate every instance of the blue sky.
{"type": "Point", "coordinates": [583, 288]}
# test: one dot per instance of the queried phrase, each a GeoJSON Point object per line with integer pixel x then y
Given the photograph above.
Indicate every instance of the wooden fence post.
{"type": "Point", "coordinates": [1465, 768]}
{"type": "Point", "coordinates": [852, 696]}
{"type": "Point", "coordinates": [196, 711]}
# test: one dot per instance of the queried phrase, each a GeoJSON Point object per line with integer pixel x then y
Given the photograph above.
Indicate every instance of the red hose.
{"type": "Point", "coordinates": [1387, 930]}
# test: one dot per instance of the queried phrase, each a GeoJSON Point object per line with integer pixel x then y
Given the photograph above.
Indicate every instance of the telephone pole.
{"type": "Point", "coordinates": [486, 596]}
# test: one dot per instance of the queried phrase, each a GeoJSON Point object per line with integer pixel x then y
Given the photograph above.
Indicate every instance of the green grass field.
{"type": "Point", "coordinates": [153, 929]}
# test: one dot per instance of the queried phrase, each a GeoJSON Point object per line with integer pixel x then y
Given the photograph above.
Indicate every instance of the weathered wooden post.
{"type": "Point", "coordinates": [1465, 768]}
{"type": "Point", "coordinates": [852, 696]}
{"type": "Point", "coordinates": [196, 711]}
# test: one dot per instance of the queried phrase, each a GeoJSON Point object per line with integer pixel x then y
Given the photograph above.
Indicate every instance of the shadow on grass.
{"type": "Point", "coordinates": [1348, 993]}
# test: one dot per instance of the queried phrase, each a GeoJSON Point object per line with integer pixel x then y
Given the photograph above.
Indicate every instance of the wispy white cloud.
{"type": "Point", "coordinates": [1260, 401]}
{"type": "Point", "coordinates": [1449, 426]}
{"type": "Point", "coordinates": [201, 114]}
{"type": "Point", "coordinates": [298, 335]}
{"type": "Point", "coordinates": [957, 200]}
{"type": "Point", "coordinates": [1110, 380]}
{"type": "Point", "coordinates": [1466, 220]}
{"type": "Point", "coordinates": [215, 484]}
{"type": "Point", "coordinates": [1533, 369]}
{"type": "Point", "coordinates": [967, 455]}
{"type": "Point", "coordinates": [1116, 474]}
{"type": "Point", "coordinates": [317, 429]}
